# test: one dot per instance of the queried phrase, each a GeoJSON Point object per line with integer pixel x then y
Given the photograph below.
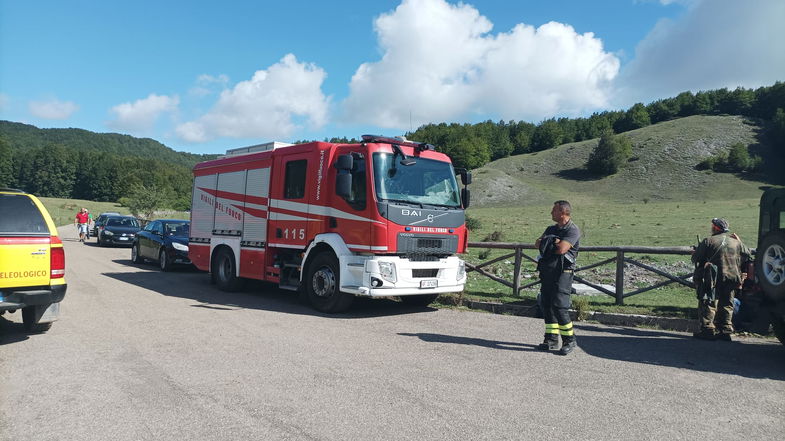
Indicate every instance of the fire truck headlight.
{"type": "Point", "coordinates": [387, 271]}
{"type": "Point", "coordinates": [461, 270]}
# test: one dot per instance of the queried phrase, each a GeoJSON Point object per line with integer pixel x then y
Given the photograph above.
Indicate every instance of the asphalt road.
{"type": "Point", "coordinates": [144, 355]}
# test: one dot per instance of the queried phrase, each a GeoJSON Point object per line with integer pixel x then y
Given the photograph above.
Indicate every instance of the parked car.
{"type": "Point", "coordinates": [32, 261]}
{"type": "Point", "coordinates": [101, 220]}
{"type": "Point", "coordinates": [118, 230]}
{"type": "Point", "coordinates": [163, 240]}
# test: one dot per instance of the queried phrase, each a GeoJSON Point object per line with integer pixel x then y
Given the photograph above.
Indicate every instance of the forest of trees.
{"type": "Point", "coordinates": [75, 163]}
{"type": "Point", "coordinates": [474, 145]}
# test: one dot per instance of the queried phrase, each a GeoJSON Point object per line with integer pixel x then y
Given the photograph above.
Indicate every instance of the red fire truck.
{"type": "Point", "coordinates": [333, 221]}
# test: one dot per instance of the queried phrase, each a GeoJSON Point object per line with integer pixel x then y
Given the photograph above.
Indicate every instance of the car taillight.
{"type": "Point", "coordinates": [56, 259]}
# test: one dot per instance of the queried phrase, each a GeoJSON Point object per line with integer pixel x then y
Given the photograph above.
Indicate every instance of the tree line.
{"type": "Point", "coordinates": [75, 163]}
{"type": "Point", "coordinates": [474, 145]}
{"type": "Point", "coordinates": [62, 172]}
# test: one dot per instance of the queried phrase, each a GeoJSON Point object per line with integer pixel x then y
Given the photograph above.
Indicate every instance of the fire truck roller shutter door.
{"type": "Point", "coordinates": [229, 201]}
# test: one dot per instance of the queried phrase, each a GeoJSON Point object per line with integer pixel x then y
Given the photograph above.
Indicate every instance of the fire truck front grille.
{"type": "Point", "coordinates": [429, 243]}
{"type": "Point", "coordinates": [425, 273]}
{"type": "Point", "coordinates": [424, 244]}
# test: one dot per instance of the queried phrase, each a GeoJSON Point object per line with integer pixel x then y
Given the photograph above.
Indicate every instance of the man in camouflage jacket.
{"type": "Point", "coordinates": [725, 251]}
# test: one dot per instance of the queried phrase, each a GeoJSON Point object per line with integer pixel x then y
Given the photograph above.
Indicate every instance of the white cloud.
{"type": "Point", "coordinates": [269, 106]}
{"type": "Point", "coordinates": [52, 109]}
{"type": "Point", "coordinates": [440, 62]}
{"type": "Point", "coordinates": [207, 84]}
{"type": "Point", "coordinates": [140, 116]}
{"type": "Point", "coordinates": [718, 43]}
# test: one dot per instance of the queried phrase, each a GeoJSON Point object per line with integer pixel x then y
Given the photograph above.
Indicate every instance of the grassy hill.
{"type": "Point", "coordinates": [662, 168]}
{"type": "Point", "coordinates": [24, 136]}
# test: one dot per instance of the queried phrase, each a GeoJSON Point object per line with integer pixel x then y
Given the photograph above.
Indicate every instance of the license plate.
{"type": "Point", "coordinates": [430, 283]}
{"type": "Point", "coordinates": [123, 238]}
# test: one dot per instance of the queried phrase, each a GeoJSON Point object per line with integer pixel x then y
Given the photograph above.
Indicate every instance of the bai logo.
{"type": "Point", "coordinates": [416, 213]}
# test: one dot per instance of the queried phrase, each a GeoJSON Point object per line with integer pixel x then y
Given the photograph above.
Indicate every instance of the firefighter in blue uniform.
{"type": "Point", "coordinates": [558, 247]}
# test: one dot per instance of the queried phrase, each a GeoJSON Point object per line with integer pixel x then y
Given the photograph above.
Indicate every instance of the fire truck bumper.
{"type": "Point", "coordinates": [387, 276]}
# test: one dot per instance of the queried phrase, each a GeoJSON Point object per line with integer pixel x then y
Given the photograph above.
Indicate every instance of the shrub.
{"type": "Point", "coordinates": [581, 306]}
{"type": "Point", "coordinates": [611, 152]}
{"type": "Point", "coordinates": [472, 223]}
{"type": "Point", "coordinates": [738, 158]}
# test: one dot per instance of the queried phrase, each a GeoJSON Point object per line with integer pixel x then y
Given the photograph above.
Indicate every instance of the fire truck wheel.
{"type": "Point", "coordinates": [419, 300]}
{"type": "Point", "coordinates": [322, 285]}
{"type": "Point", "coordinates": [225, 271]}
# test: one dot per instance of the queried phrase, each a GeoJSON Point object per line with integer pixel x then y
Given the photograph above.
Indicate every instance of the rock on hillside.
{"type": "Point", "coordinates": [662, 167]}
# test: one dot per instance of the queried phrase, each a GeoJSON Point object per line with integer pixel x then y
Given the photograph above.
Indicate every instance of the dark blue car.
{"type": "Point", "coordinates": [163, 240]}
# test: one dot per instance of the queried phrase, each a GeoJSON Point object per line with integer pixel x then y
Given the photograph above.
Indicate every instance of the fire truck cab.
{"type": "Point", "coordinates": [381, 218]}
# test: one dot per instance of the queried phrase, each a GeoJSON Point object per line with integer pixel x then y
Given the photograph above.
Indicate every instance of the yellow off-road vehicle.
{"type": "Point", "coordinates": [32, 261]}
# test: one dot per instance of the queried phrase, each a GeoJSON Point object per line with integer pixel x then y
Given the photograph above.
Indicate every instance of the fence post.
{"type": "Point", "coordinates": [516, 277]}
{"type": "Point", "coordinates": [620, 277]}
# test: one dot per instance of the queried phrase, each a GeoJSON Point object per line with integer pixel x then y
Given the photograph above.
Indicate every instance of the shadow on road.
{"type": "Point", "coordinates": [493, 344]}
{"type": "Point", "coordinates": [751, 359]}
{"type": "Point", "coordinates": [11, 332]}
{"type": "Point", "coordinates": [194, 284]}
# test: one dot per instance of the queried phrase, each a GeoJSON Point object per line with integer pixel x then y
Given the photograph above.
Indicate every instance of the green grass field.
{"type": "Point", "coordinates": [652, 224]}
{"type": "Point", "coordinates": [657, 199]}
{"type": "Point", "coordinates": [63, 211]}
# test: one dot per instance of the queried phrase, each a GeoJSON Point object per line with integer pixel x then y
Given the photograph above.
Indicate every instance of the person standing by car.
{"type": "Point", "coordinates": [89, 222]}
{"type": "Point", "coordinates": [718, 260]}
{"type": "Point", "coordinates": [81, 221]}
{"type": "Point", "coordinates": [558, 247]}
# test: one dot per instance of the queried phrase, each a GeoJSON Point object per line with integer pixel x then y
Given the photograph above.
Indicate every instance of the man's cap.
{"type": "Point", "coordinates": [720, 223]}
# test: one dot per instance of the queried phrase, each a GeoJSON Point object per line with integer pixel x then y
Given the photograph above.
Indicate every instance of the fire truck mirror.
{"type": "Point", "coordinates": [344, 162]}
{"type": "Point", "coordinates": [465, 197]}
{"type": "Point", "coordinates": [343, 185]}
{"type": "Point", "coordinates": [466, 177]}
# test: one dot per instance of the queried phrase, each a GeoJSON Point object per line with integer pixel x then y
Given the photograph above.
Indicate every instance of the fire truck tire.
{"type": "Point", "coordinates": [322, 285]}
{"type": "Point", "coordinates": [770, 265]}
{"type": "Point", "coordinates": [136, 257]}
{"type": "Point", "coordinates": [225, 271]}
{"type": "Point", "coordinates": [419, 300]}
{"type": "Point", "coordinates": [30, 316]}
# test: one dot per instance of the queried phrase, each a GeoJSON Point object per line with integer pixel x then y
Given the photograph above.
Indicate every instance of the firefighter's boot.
{"type": "Point", "coordinates": [550, 343]}
{"type": "Point", "coordinates": [568, 344]}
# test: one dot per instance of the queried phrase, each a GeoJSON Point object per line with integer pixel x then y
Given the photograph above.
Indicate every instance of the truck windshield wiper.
{"type": "Point", "coordinates": [441, 205]}
{"type": "Point", "coordinates": [404, 201]}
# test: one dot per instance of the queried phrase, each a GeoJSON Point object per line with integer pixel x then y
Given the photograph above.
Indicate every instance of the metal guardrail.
{"type": "Point", "coordinates": [620, 259]}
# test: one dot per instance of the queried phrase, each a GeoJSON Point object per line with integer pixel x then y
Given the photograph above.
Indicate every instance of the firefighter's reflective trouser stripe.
{"type": "Point", "coordinates": [566, 330]}
{"type": "Point", "coordinates": [555, 302]}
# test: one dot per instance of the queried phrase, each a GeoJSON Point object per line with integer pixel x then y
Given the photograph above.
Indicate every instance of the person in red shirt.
{"type": "Point", "coordinates": [81, 220]}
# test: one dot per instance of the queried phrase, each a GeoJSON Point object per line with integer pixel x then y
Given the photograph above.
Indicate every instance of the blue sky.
{"type": "Point", "coordinates": [205, 76]}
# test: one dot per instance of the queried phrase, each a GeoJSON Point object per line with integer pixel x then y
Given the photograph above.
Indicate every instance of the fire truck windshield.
{"type": "Point", "coordinates": [427, 182]}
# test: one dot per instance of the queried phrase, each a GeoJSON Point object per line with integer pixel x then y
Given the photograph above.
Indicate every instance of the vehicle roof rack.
{"type": "Point", "coordinates": [420, 146]}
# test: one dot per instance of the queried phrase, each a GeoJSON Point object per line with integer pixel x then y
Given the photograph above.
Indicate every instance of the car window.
{"type": "Point", "coordinates": [176, 229]}
{"type": "Point", "coordinates": [20, 215]}
{"type": "Point", "coordinates": [150, 227]}
{"type": "Point", "coordinates": [122, 222]}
